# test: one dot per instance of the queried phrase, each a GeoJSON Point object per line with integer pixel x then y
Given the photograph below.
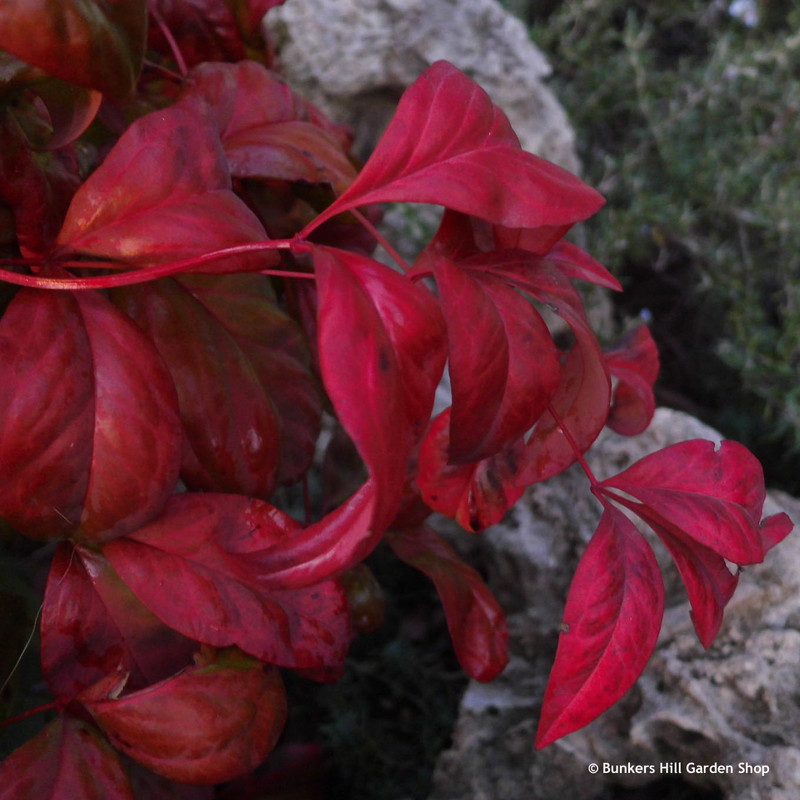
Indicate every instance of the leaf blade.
{"type": "Point", "coordinates": [611, 622]}
{"type": "Point", "coordinates": [381, 347]}
{"type": "Point", "coordinates": [233, 711]}
{"type": "Point", "coordinates": [210, 587]}
{"type": "Point", "coordinates": [475, 619]}
{"type": "Point", "coordinates": [475, 166]}
{"type": "Point", "coordinates": [92, 43]}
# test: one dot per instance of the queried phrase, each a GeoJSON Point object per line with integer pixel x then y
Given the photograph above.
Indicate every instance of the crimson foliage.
{"type": "Point", "coordinates": [191, 242]}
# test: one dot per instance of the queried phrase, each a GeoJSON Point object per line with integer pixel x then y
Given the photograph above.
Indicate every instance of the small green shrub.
{"type": "Point", "coordinates": [687, 122]}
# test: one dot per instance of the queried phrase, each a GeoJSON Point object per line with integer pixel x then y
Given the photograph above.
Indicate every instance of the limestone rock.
{"type": "Point", "coordinates": [733, 704]}
{"type": "Point", "coordinates": [354, 58]}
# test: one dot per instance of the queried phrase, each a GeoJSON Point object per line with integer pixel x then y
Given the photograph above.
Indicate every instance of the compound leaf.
{"type": "Point", "coordinates": [715, 496]}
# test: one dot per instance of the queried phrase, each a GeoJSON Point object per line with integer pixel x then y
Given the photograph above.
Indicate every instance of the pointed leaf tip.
{"type": "Point", "coordinates": [450, 145]}
{"type": "Point", "coordinates": [474, 617]}
{"type": "Point", "coordinates": [611, 623]}
{"type": "Point", "coordinates": [232, 709]}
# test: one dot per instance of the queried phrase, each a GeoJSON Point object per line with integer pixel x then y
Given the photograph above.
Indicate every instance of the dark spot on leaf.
{"type": "Point", "coordinates": [384, 362]}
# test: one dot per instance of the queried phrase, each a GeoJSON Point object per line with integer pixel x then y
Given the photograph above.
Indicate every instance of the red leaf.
{"type": "Point", "coordinates": [211, 30]}
{"type": "Point", "coordinates": [93, 625]}
{"type": "Point", "coordinates": [339, 541]}
{"type": "Point", "coordinates": [503, 365]}
{"type": "Point", "coordinates": [382, 351]}
{"type": "Point", "coordinates": [232, 431]}
{"type": "Point", "coordinates": [449, 144]}
{"type": "Point", "coordinates": [94, 43]}
{"type": "Point", "coordinates": [540, 240]}
{"type": "Point", "coordinates": [163, 193]}
{"type": "Point", "coordinates": [634, 362]}
{"type": "Point", "coordinates": [268, 131]}
{"type": "Point", "coordinates": [708, 581]}
{"type": "Point", "coordinates": [476, 621]}
{"type": "Point", "coordinates": [476, 495]}
{"type": "Point", "coordinates": [714, 496]}
{"type": "Point", "coordinates": [67, 759]}
{"type": "Point", "coordinates": [208, 724]}
{"type": "Point", "coordinates": [52, 112]}
{"type": "Point", "coordinates": [582, 397]}
{"type": "Point", "coordinates": [38, 187]}
{"type": "Point", "coordinates": [89, 433]}
{"type": "Point", "coordinates": [197, 567]}
{"type": "Point", "coordinates": [611, 623]}
{"type": "Point", "coordinates": [276, 348]}
{"type": "Point", "coordinates": [204, 30]}
{"type": "Point", "coordinates": [575, 263]}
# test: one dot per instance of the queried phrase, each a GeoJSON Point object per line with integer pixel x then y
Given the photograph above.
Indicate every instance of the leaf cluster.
{"type": "Point", "coordinates": [687, 119]}
{"type": "Point", "coordinates": [192, 242]}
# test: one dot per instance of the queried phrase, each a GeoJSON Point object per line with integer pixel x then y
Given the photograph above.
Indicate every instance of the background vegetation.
{"type": "Point", "coordinates": [687, 118]}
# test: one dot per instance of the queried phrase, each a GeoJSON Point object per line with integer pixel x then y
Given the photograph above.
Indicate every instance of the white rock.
{"type": "Point", "coordinates": [355, 57]}
{"type": "Point", "coordinates": [733, 704]}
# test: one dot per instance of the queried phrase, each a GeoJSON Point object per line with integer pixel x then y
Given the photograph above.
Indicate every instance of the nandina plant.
{"type": "Point", "coordinates": [191, 244]}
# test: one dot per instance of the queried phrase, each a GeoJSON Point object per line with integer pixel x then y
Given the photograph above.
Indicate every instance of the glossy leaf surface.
{"type": "Point", "coordinates": [98, 44]}
{"type": "Point", "coordinates": [610, 626]}
{"type": "Point", "coordinates": [89, 433]}
{"type": "Point", "coordinates": [93, 625]}
{"type": "Point", "coordinates": [449, 144]}
{"type": "Point", "coordinates": [476, 621]}
{"type": "Point", "coordinates": [211, 587]}
{"type": "Point", "coordinates": [231, 712]}
{"type": "Point", "coordinates": [634, 363]}
{"type": "Point", "coordinates": [476, 494]}
{"type": "Point", "coordinates": [582, 396]}
{"type": "Point", "coordinates": [67, 759]}
{"type": "Point", "coordinates": [709, 582]}
{"type": "Point", "coordinates": [267, 131]}
{"type": "Point", "coordinates": [504, 365]}
{"type": "Point", "coordinates": [381, 344]}
{"type": "Point", "coordinates": [231, 427]}
{"type": "Point", "coordinates": [278, 351]}
{"type": "Point", "coordinates": [325, 549]}
{"type": "Point", "coordinates": [163, 193]}
{"type": "Point", "coordinates": [715, 496]}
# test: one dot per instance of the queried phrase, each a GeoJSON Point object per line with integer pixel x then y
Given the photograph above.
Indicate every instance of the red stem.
{"type": "Point", "coordinates": [54, 706]}
{"type": "Point", "coordinates": [173, 45]}
{"type": "Point", "coordinates": [152, 273]}
{"type": "Point", "coordinates": [398, 259]}
{"type": "Point", "coordinates": [574, 445]}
